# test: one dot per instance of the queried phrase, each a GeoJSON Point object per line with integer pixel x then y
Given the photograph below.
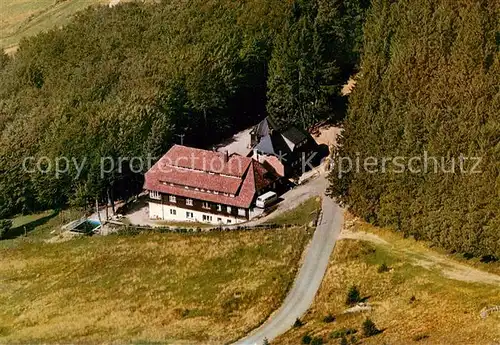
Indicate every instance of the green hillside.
{"type": "Point", "coordinates": [121, 82]}
{"type": "Point", "coordinates": [128, 81]}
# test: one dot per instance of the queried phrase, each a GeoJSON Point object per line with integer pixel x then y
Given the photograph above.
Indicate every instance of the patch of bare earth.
{"type": "Point", "coordinates": [349, 86]}
{"type": "Point", "coordinates": [429, 260]}
{"type": "Point", "coordinates": [327, 135]}
{"type": "Point", "coordinates": [11, 50]}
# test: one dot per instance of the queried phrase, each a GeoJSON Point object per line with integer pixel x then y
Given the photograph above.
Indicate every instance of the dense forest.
{"type": "Point", "coordinates": [429, 82]}
{"type": "Point", "coordinates": [131, 80]}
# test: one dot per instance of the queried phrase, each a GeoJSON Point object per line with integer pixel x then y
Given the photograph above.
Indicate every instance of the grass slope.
{"type": "Point", "coordinates": [25, 220]}
{"type": "Point", "coordinates": [21, 18]}
{"type": "Point", "coordinates": [303, 214]}
{"type": "Point", "coordinates": [206, 288]}
{"type": "Point", "coordinates": [443, 311]}
{"type": "Point", "coordinates": [35, 228]}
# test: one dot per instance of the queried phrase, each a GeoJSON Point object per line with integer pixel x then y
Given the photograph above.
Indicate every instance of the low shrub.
{"type": "Point", "coordinates": [317, 341]}
{"type": "Point", "coordinates": [420, 337]}
{"type": "Point", "coordinates": [369, 328]}
{"type": "Point", "coordinates": [383, 268]}
{"type": "Point", "coordinates": [329, 318]}
{"type": "Point", "coordinates": [343, 333]}
{"type": "Point", "coordinates": [488, 258]}
{"type": "Point", "coordinates": [353, 296]}
{"type": "Point", "coordinates": [128, 231]}
{"type": "Point", "coordinates": [306, 339]}
{"type": "Point", "coordinates": [298, 323]}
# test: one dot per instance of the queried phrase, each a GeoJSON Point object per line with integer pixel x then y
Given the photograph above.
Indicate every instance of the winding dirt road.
{"type": "Point", "coordinates": [308, 279]}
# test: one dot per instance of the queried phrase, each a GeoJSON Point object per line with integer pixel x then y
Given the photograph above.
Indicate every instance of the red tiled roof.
{"type": "Point", "coordinates": [183, 166]}
{"type": "Point", "coordinates": [200, 179]}
{"type": "Point", "coordinates": [274, 163]}
{"type": "Point", "coordinates": [209, 161]}
{"type": "Point", "coordinates": [263, 177]}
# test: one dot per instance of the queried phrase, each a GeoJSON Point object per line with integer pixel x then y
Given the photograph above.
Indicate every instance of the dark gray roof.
{"type": "Point", "coordinates": [274, 144]}
{"type": "Point", "coordinates": [265, 127]}
{"type": "Point", "coordinates": [272, 123]}
{"type": "Point", "coordinates": [294, 135]}
{"type": "Point", "coordinates": [273, 141]}
{"type": "Point", "coordinates": [266, 145]}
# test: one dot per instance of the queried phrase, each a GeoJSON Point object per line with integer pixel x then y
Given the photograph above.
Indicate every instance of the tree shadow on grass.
{"type": "Point", "coordinates": [364, 299]}
{"type": "Point", "coordinates": [133, 206]}
{"type": "Point", "coordinates": [27, 228]}
{"type": "Point", "coordinates": [488, 258]}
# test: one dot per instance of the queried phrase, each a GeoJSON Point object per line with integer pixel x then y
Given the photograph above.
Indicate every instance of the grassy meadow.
{"type": "Point", "coordinates": [22, 18]}
{"type": "Point", "coordinates": [303, 214]}
{"type": "Point", "coordinates": [39, 227]}
{"type": "Point", "coordinates": [208, 288]}
{"type": "Point", "coordinates": [413, 303]}
{"type": "Point", "coordinates": [204, 288]}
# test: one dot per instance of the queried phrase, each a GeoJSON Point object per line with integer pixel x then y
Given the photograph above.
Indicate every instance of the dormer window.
{"type": "Point", "coordinates": [153, 194]}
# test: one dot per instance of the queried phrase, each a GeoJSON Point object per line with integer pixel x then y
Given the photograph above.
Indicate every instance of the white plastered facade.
{"type": "Point", "coordinates": [179, 214]}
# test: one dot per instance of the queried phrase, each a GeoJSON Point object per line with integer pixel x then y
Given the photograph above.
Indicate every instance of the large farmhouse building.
{"type": "Point", "coordinates": [189, 184]}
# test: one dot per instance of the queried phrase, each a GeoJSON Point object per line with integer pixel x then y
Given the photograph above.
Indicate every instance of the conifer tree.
{"type": "Point", "coordinates": [428, 89]}
{"type": "Point", "coordinates": [302, 78]}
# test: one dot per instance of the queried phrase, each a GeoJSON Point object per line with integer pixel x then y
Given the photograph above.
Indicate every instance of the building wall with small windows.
{"type": "Point", "coordinates": [176, 208]}
{"type": "Point", "coordinates": [178, 214]}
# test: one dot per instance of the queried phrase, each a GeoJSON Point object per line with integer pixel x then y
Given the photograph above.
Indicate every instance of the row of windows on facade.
{"type": "Point", "coordinates": [201, 190]}
{"type": "Point", "coordinates": [302, 143]}
{"type": "Point", "coordinates": [189, 202]}
{"type": "Point", "coordinates": [206, 217]}
{"type": "Point", "coordinates": [200, 170]}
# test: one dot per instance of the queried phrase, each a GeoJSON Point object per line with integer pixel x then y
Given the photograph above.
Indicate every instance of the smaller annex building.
{"type": "Point", "coordinates": [189, 184]}
{"type": "Point", "coordinates": [285, 149]}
